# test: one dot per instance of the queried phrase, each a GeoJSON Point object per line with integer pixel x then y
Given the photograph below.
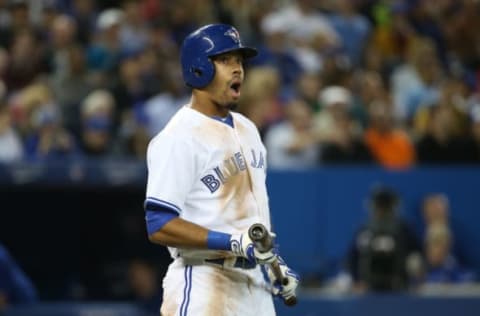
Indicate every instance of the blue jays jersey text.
{"type": "Point", "coordinates": [231, 167]}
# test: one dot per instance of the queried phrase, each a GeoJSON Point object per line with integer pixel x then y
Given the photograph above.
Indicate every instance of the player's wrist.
{"type": "Point", "coordinates": [218, 240]}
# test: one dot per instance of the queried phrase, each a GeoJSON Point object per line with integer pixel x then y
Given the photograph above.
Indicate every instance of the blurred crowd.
{"type": "Point", "coordinates": [386, 82]}
{"type": "Point", "coordinates": [388, 255]}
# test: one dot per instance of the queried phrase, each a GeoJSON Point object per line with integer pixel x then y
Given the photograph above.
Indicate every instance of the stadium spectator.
{"type": "Point", "coordinates": [292, 144]}
{"type": "Point", "coordinates": [307, 87]}
{"type": "Point", "coordinates": [161, 41]}
{"type": "Point", "coordinates": [261, 101]}
{"type": "Point", "coordinates": [442, 144]}
{"type": "Point", "coordinates": [39, 120]}
{"type": "Point", "coordinates": [23, 103]}
{"type": "Point", "coordinates": [181, 19]}
{"type": "Point", "coordinates": [436, 213]}
{"type": "Point", "coordinates": [72, 86]}
{"type": "Point", "coordinates": [310, 32]}
{"type": "Point", "coordinates": [68, 75]}
{"type": "Point", "coordinates": [275, 51]}
{"type": "Point", "coordinates": [435, 209]}
{"type": "Point", "coordinates": [474, 143]}
{"type": "Point", "coordinates": [415, 83]}
{"type": "Point", "coordinates": [130, 91]}
{"type": "Point", "coordinates": [423, 17]}
{"type": "Point", "coordinates": [442, 266]}
{"type": "Point", "coordinates": [4, 60]}
{"type": "Point", "coordinates": [459, 24]}
{"type": "Point", "coordinates": [48, 140]}
{"type": "Point", "coordinates": [335, 129]}
{"type": "Point", "coordinates": [336, 102]}
{"type": "Point", "coordinates": [97, 120]}
{"type": "Point", "coordinates": [11, 147]}
{"type": "Point", "coordinates": [391, 33]}
{"type": "Point", "coordinates": [15, 286]}
{"type": "Point", "coordinates": [161, 107]}
{"type": "Point", "coordinates": [85, 14]}
{"type": "Point", "coordinates": [368, 87]}
{"type": "Point", "coordinates": [16, 21]}
{"type": "Point", "coordinates": [25, 62]}
{"type": "Point", "coordinates": [454, 94]}
{"type": "Point", "coordinates": [381, 254]}
{"type": "Point", "coordinates": [61, 37]}
{"type": "Point", "coordinates": [352, 27]}
{"type": "Point", "coordinates": [134, 31]}
{"type": "Point", "coordinates": [390, 146]}
{"type": "Point", "coordinates": [105, 49]}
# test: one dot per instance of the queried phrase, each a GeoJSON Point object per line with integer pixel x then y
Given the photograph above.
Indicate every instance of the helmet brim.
{"type": "Point", "coordinates": [247, 52]}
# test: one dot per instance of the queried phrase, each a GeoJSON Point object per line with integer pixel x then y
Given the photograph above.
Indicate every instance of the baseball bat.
{"type": "Point", "coordinates": [264, 242]}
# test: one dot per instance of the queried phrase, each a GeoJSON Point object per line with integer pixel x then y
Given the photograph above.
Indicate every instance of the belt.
{"type": "Point", "coordinates": [230, 262]}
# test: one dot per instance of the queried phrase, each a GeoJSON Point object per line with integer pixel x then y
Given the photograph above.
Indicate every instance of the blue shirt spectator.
{"type": "Point", "coordinates": [449, 272]}
{"type": "Point", "coordinates": [353, 29]}
{"type": "Point", "coordinates": [441, 265]}
{"type": "Point", "coordinates": [15, 286]}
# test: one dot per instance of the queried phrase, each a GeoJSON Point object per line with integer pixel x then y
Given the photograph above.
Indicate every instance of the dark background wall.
{"type": "Point", "coordinates": [74, 241]}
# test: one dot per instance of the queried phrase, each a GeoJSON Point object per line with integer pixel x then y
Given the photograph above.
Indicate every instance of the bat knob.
{"type": "Point", "coordinates": [291, 301]}
{"type": "Point", "coordinates": [257, 232]}
{"type": "Point", "coordinates": [261, 237]}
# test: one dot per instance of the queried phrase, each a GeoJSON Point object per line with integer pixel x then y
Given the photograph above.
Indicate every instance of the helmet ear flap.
{"type": "Point", "coordinates": [197, 72]}
{"type": "Point", "coordinates": [200, 75]}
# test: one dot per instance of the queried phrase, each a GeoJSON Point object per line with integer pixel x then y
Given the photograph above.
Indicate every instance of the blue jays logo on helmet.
{"type": "Point", "coordinates": [233, 33]}
{"type": "Point", "coordinates": [208, 41]}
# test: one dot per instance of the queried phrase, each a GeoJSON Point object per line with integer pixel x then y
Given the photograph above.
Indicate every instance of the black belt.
{"type": "Point", "coordinates": [232, 262]}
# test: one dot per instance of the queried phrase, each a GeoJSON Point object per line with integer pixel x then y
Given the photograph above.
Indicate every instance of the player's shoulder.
{"type": "Point", "coordinates": [177, 130]}
{"type": "Point", "coordinates": [244, 120]}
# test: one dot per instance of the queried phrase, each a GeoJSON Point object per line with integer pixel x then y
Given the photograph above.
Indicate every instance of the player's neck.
{"type": "Point", "coordinates": [203, 104]}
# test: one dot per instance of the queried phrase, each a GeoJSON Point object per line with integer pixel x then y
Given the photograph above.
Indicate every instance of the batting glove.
{"type": "Point", "coordinates": [278, 289]}
{"type": "Point", "coordinates": [242, 246]}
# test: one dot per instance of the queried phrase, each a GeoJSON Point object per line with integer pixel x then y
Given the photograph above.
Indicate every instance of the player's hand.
{"type": "Point", "coordinates": [243, 246]}
{"type": "Point", "coordinates": [285, 291]}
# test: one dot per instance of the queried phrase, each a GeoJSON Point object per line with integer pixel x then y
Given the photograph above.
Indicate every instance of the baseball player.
{"type": "Point", "coordinates": [206, 187]}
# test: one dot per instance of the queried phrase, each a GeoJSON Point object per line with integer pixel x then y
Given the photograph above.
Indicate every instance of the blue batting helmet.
{"type": "Point", "coordinates": [208, 41]}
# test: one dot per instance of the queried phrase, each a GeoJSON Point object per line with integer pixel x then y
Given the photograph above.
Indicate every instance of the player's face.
{"type": "Point", "coordinates": [226, 85]}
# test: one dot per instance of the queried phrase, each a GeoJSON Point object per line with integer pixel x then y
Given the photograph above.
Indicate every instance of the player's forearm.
{"type": "Point", "coordinates": [182, 234]}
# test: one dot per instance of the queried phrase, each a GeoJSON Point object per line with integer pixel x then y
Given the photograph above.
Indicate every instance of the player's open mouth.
{"type": "Point", "coordinates": [235, 88]}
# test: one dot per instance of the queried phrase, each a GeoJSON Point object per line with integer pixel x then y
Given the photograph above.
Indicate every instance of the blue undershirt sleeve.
{"type": "Point", "coordinates": [158, 213]}
{"type": "Point", "coordinates": [157, 219]}
{"type": "Point", "coordinates": [156, 216]}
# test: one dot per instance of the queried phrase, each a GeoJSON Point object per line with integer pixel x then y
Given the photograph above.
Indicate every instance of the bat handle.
{"type": "Point", "coordinates": [261, 237]}
{"type": "Point", "coordinates": [292, 300]}
{"type": "Point", "coordinates": [263, 241]}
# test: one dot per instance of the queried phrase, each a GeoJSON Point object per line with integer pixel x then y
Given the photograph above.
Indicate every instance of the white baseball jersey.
{"type": "Point", "coordinates": [210, 173]}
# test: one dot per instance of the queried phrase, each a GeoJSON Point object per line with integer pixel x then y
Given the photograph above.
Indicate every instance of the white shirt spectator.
{"type": "Point", "coordinates": [302, 28]}
{"type": "Point", "coordinates": [160, 109]}
{"type": "Point", "coordinates": [277, 141]}
{"type": "Point", "coordinates": [10, 146]}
